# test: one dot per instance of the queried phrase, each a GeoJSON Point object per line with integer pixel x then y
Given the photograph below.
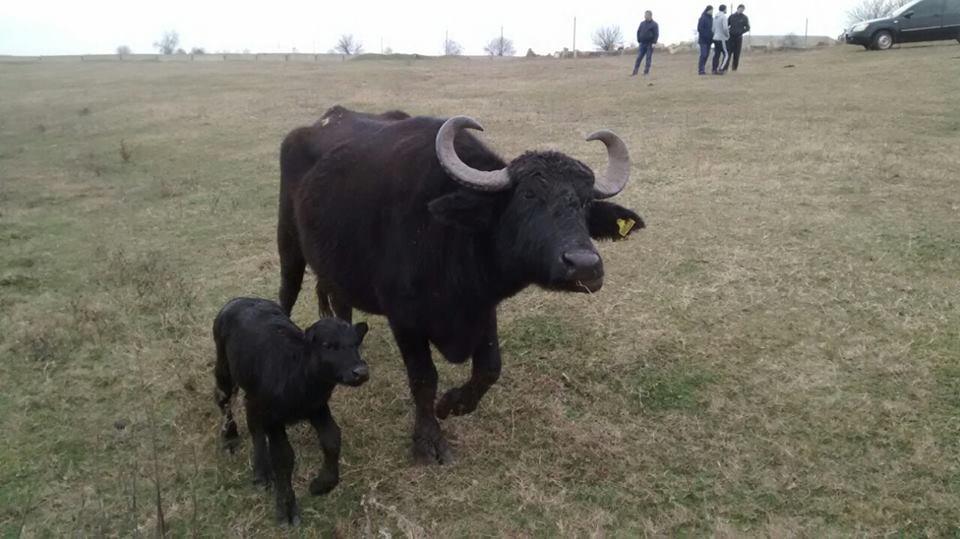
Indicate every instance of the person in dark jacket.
{"type": "Point", "coordinates": [739, 25]}
{"type": "Point", "coordinates": [705, 38]}
{"type": "Point", "coordinates": [647, 36]}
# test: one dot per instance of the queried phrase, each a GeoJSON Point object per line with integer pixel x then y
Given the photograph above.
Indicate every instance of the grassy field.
{"type": "Point", "coordinates": [777, 355]}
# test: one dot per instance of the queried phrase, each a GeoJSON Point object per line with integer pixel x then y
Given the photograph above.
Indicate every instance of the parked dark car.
{"type": "Point", "coordinates": [919, 20]}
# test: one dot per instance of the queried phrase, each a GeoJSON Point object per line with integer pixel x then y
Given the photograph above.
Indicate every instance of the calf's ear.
{"type": "Point", "coordinates": [464, 209]}
{"type": "Point", "coordinates": [609, 221]}
{"type": "Point", "coordinates": [361, 330]}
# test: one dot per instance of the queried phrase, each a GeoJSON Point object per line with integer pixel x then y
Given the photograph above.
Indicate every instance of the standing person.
{"type": "Point", "coordinates": [705, 38]}
{"type": "Point", "coordinates": [647, 36]}
{"type": "Point", "coordinates": [721, 33]}
{"type": "Point", "coordinates": [739, 25]}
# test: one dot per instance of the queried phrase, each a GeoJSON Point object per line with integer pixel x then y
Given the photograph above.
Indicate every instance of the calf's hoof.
{"type": "Point", "coordinates": [230, 443]}
{"type": "Point", "coordinates": [454, 402]}
{"type": "Point", "coordinates": [288, 512]}
{"type": "Point", "coordinates": [323, 483]}
{"type": "Point", "coordinates": [431, 450]}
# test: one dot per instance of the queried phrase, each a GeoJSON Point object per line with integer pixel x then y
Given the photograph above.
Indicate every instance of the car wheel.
{"type": "Point", "coordinates": [882, 40]}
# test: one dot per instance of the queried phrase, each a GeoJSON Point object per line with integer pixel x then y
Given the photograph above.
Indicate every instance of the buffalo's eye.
{"type": "Point", "coordinates": [527, 194]}
{"type": "Point", "coordinates": [329, 345]}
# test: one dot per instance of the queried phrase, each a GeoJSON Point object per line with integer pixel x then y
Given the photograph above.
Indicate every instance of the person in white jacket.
{"type": "Point", "coordinates": [721, 33]}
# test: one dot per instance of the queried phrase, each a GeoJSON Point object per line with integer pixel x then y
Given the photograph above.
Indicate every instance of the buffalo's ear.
{"type": "Point", "coordinates": [608, 221]}
{"type": "Point", "coordinates": [464, 209]}
{"type": "Point", "coordinates": [361, 331]}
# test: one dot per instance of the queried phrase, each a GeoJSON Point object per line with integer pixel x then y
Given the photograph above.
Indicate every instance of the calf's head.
{"type": "Point", "coordinates": [542, 209]}
{"type": "Point", "coordinates": [334, 355]}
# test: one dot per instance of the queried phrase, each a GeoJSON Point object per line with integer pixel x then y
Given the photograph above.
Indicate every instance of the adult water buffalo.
{"type": "Point", "coordinates": [417, 220]}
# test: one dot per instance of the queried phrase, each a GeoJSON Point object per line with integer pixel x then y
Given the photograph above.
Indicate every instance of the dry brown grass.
{"type": "Point", "coordinates": [775, 356]}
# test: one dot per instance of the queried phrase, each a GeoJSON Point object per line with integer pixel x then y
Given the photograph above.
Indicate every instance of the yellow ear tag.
{"type": "Point", "coordinates": [626, 225]}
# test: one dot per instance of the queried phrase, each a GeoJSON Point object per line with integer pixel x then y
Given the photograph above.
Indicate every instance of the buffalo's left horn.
{"type": "Point", "coordinates": [618, 164]}
{"type": "Point", "coordinates": [483, 180]}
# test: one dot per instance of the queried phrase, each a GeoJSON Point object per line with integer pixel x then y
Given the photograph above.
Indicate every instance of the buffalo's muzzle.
{"type": "Point", "coordinates": [584, 270]}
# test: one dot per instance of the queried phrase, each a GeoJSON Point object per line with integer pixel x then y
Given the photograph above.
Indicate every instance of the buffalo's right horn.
{"type": "Point", "coordinates": [618, 164]}
{"type": "Point", "coordinates": [483, 180]}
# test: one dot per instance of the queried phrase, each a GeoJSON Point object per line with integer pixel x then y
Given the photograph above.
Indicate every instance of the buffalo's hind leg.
{"type": "Point", "coordinates": [292, 263]}
{"type": "Point", "coordinates": [429, 444]}
{"type": "Point", "coordinates": [484, 373]}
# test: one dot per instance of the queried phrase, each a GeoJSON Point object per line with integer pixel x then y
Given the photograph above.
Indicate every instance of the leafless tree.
{"type": "Point", "coordinates": [201, 50]}
{"type": "Point", "coordinates": [123, 49]}
{"type": "Point", "coordinates": [608, 38]}
{"type": "Point", "coordinates": [500, 46]}
{"type": "Point", "coordinates": [452, 48]}
{"type": "Point", "coordinates": [873, 9]}
{"type": "Point", "coordinates": [348, 45]}
{"type": "Point", "coordinates": [168, 43]}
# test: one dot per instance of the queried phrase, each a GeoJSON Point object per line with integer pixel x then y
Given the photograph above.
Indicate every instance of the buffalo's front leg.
{"type": "Point", "coordinates": [429, 445]}
{"type": "Point", "coordinates": [329, 433]}
{"type": "Point", "coordinates": [484, 373]}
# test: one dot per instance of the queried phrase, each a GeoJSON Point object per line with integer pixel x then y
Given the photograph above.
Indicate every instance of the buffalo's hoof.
{"type": "Point", "coordinates": [453, 402]}
{"type": "Point", "coordinates": [323, 483]}
{"type": "Point", "coordinates": [288, 512]}
{"type": "Point", "coordinates": [431, 450]}
{"type": "Point", "coordinates": [263, 478]}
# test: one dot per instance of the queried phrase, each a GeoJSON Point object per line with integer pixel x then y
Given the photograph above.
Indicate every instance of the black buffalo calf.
{"type": "Point", "coordinates": [288, 376]}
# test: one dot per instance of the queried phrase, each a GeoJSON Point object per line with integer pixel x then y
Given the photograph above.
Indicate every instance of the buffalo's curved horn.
{"type": "Point", "coordinates": [618, 164]}
{"type": "Point", "coordinates": [482, 180]}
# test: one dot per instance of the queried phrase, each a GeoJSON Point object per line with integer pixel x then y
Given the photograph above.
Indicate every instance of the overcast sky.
{"type": "Point", "coordinates": [413, 26]}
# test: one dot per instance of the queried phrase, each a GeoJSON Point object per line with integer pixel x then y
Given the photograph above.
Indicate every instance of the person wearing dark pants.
{"type": "Point", "coordinates": [739, 25]}
{"type": "Point", "coordinates": [704, 38]}
{"type": "Point", "coordinates": [721, 34]}
{"type": "Point", "coordinates": [647, 36]}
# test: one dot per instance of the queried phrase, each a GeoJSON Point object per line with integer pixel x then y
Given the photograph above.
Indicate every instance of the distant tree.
{"type": "Point", "coordinates": [388, 50]}
{"type": "Point", "coordinates": [873, 9]}
{"type": "Point", "coordinates": [200, 50]}
{"type": "Point", "coordinates": [608, 38]}
{"type": "Point", "coordinates": [500, 46]}
{"type": "Point", "coordinates": [123, 49]}
{"type": "Point", "coordinates": [452, 48]}
{"type": "Point", "coordinates": [168, 43]}
{"type": "Point", "coordinates": [348, 45]}
{"type": "Point", "coordinates": [181, 51]}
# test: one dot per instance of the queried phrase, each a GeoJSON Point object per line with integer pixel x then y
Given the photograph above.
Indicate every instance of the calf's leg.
{"type": "Point", "coordinates": [329, 433]}
{"type": "Point", "coordinates": [282, 459]}
{"type": "Point", "coordinates": [484, 373]}
{"type": "Point", "coordinates": [262, 470]}
{"type": "Point", "coordinates": [224, 396]}
{"type": "Point", "coordinates": [429, 444]}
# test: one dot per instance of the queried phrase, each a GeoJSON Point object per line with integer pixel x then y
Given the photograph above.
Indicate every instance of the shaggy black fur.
{"type": "Point", "coordinates": [364, 201]}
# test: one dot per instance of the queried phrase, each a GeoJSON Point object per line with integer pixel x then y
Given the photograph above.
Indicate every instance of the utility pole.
{"type": "Point", "coordinates": [806, 33]}
{"type": "Point", "coordinates": [574, 37]}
